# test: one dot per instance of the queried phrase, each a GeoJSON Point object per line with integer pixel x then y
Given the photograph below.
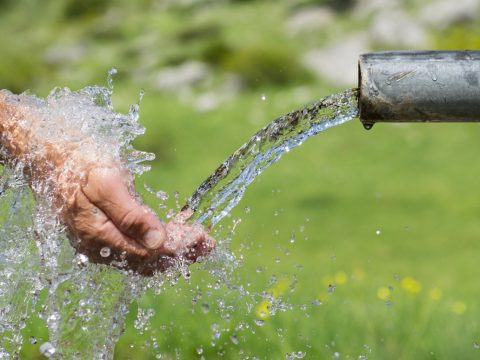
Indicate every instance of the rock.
{"type": "Point", "coordinates": [397, 28]}
{"type": "Point", "coordinates": [338, 62]}
{"type": "Point", "coordinates": [310, 18]}
{"type": "Point", "coordinates": [369, 7]}
{"type": "Point", "coordinates": [182, 76]}
{"type": "Point", "coordinates": [443, 13]}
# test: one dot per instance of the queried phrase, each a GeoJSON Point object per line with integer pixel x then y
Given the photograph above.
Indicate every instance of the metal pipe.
{"type": "Point", "coordinates": [419, 86]}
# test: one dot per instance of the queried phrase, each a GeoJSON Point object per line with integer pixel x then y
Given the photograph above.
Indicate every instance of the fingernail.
{"type": "Point", "coordinates": [153, 239]}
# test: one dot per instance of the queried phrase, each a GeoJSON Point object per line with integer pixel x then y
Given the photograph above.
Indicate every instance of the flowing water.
{"type": "Point", "coordinates": [222, 191]}
{"type": "Point", "coordinates": [84, 305]}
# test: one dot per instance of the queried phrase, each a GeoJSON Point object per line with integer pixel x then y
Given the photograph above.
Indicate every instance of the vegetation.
{"type": "Point", "coordinates": [385, 224]}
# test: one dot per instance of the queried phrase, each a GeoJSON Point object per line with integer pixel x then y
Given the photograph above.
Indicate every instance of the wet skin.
{"type": "Point", "coordinates": [93, 196]}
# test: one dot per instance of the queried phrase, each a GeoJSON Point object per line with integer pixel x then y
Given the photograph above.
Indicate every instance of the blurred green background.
{"type": "Point", "coordinates": [386, 223]}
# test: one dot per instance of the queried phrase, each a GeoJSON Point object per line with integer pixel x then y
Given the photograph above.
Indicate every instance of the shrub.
{"type": "Point", "coordinates": [265, 66]}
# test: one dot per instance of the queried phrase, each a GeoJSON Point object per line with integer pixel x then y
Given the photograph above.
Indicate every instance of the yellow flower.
{"type": "Point", "coordinates": [340, 278]}
{"type": "Point", "coordinates": [459, 307]}
{"type": "Point", "coordinates": [411, 285]}
{"type": "Point", "coordinates": [384, 293]}
{"type": "Point", "coordinates": [263, 309]}
{"type": "Point", "coordinates": [435, 294]}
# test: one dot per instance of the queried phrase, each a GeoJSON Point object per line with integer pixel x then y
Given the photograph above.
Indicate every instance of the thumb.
{"type": "Point", "coordinates": [107, 188]}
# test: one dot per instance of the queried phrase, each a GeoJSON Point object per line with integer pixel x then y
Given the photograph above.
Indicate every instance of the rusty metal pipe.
{"type": "Point", "coordinates": [419, 86]}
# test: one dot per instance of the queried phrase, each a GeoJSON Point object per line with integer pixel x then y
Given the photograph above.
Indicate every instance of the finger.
{"type": "Point", "coordinates": [108, 189]}
{"type": "Point", "coordinates": [202, 247]}
{"type": "Point", "coordinates": [190, 241]}
{"type": "Point", "coordinates": [94, 230]}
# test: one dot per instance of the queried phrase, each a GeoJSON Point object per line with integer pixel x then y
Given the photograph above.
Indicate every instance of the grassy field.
{"type": "Point", "coordinates": [385, 223]}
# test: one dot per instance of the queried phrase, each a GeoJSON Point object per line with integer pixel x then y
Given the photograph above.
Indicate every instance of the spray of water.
{"type": "Point", "coordinates": [84, 304]}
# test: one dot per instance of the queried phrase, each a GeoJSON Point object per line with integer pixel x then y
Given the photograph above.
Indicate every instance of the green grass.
{"type": "Point", "coordinates": [416, 183]}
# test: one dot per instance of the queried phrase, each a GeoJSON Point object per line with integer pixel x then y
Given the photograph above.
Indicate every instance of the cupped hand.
{"type": "Point", "coordinates": [106, 222]}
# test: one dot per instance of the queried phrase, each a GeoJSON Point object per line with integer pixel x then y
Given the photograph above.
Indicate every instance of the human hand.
{"type": "Point", "coordinates": [93, 195]}
{"type": "Point", "coordinates": [108, 224]}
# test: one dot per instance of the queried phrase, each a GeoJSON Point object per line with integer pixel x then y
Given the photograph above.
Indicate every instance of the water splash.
{"type": "Point", "coordinates": [84, 305]}
{"type": "Point", "coordinates": [222, 191]}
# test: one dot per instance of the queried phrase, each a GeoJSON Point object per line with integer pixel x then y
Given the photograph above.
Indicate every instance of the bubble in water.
{"type": "Point", "coordinates": [105, 252]}
{"type": "Point", "coordinates": [33, 340]}
{"type": "Point", "coordinates": [47, 350]}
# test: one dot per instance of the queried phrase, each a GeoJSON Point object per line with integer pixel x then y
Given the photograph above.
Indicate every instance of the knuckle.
{"type": "Point", "coordinates": [130, 221]}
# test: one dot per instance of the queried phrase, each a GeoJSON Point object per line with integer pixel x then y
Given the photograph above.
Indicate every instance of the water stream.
{"type": "Point", "coordinates": [224, 188]}
{"type": "Point", "coordinates": [83, 304]}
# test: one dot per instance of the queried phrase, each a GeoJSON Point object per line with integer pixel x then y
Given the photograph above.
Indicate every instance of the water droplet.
{"type": "Point", "coordinates": [476, 345]}
{"type": "Point", "coordinates": [336, 355]}
{"type": "Point", "coordinates": [161, 195]}
{"type": "Point", "coordinates": [205, 308]}
{"type": "Point", "coordinates": [105, 252]}
{"type": "Point", "coordinates": [295, 355]}
{"type": "Point", "coordinates": [111, 72]}
{"type": "Point", "coordinates": [199, 350]}
{"type": "Point", "coordinates": [170, 213]}
{"type": "Point", "coordinates": [378, 232]}
{"type": "Point", "coordinates": [263, 97]}
{"type": "Point", "coordinates": [234, 339]}
{"type": "Point", "coordinates": [47, 350]}
{"type": "Point", "coordinates": [292, 238]}
{"type": "Point", "coordinates": [33, 340]}
{"type": "Point", "coordinates": [81, 259]}
{"type": "Point", "coordinates": [247, 209]}
{"type": "Point", "coordinates": [259, 322]}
